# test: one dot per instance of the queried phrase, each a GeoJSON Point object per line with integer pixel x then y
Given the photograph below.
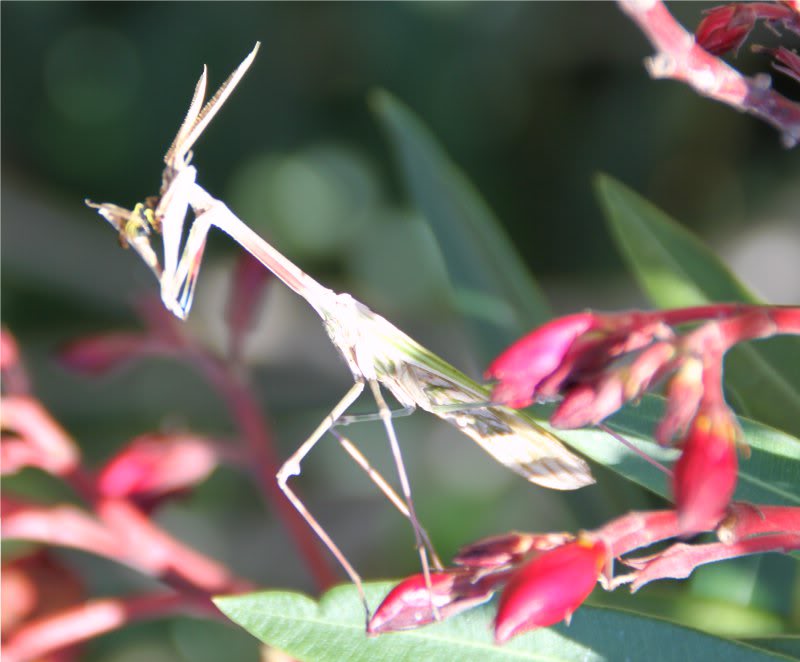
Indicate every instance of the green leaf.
{"type": "Point", "coordinates": [493, 286]}
{"type": "Point", "coordinates": [675, 269]}
{"type": "Point", "coordinates": [771, 475]}
{"type": "Point", "coordinates": [334, 629]}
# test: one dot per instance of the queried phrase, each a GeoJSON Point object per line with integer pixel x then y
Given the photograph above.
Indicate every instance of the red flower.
{"type": "Point", "coordinates": [575, 349]}
{"type": "Point", "coordinates": [529, 361]}
{"type": "Point", "coordinates": [153, 466]}
{"type": "Point", "coordinates": [725, 28]}
{"type": "Point", "coordinates": [589, 402]}
{"type": "Point", "coordinates": [408, 604]}
{"type": "Point", "coordinates": [684, 391]}
{"type": "Point", "coordinates": [549, 588]}
{"type": "Point", "coordinates": [705, 474]}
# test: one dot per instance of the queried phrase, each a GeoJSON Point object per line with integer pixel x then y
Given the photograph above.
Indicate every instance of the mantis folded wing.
{"type": "Point", "coordinates": [377, 353]}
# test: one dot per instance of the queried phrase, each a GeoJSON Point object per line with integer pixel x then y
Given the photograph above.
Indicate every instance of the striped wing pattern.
{"type": "Point", "coordinates": [415, 376]}
{"type": "Point", "coordinates": [509, 436]}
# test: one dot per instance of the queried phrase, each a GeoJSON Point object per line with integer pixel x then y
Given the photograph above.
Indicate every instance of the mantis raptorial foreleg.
{"type": "Point", "coordinates": [177, 189]}
{"type": "Point", "coordinates": [171, 214]}
{"type": "Point", "coordinates": [177, 292]}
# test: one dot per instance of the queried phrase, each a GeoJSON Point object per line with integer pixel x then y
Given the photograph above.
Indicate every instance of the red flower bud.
{"type": "Point", "coordinates": [648, 367]}
{"type": "Point", "coordinates": [684, 391]}
{"type": "Point", "coordinates": [549, 588]}
{"type": "Point", "coordinates": [153, 466]}
{"type": "Point", "coordinates": [588, 404]}
{"type": "Point", "coordinates": [591, 401]}
{"type": "Point", "coordinates": [529, 361]}
{"type": "Point", "coordinates": [725, 28]}
{"type": "Point", "coordinates": [704, 476]}
{"type": "Point", "coordinates": [408, 604]}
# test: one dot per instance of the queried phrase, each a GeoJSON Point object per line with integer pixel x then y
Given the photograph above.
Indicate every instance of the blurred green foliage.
{"type": "Point", "coordinates": [530, 100]}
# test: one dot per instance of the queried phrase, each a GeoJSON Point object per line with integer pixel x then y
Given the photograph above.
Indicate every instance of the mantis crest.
{"type": "Point", "coordinates": [379, 355]}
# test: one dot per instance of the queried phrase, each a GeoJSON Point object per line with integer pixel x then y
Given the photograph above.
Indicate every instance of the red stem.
{"type": "Point", "coordinates": [680, 560]}
{"type": "Point", "coordinates": [638, 529]}
{"type": "Point", "coordinates": [167, 337]}
{"type": "Point", "coordinates": [751, 323]}
{"type": "Point", "coordinates": [785, 319]}
{"type": "Point", "coordinates": [746, 520]}
{"type": "Point", "coordinates": [249, 418]}
{"type": "Point", "coordinates": [680, 58]}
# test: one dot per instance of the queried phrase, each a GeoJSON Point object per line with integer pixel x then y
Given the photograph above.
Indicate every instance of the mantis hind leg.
{"type": "Point", "coordinates": [419, 534]}
{"type": "Point", "coordinates": [376, 477]}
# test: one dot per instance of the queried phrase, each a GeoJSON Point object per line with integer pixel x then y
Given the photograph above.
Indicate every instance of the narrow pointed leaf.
{"type": "Point", "coordinates": [333, 629]}
{"type": "Point", "coordinates": [484, 267]}
{"type": "Point", "coordinates": [675, 269]}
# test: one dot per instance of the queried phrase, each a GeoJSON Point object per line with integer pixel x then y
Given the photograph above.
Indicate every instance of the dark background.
{"type": "Point", "coordinates": [530, 100]}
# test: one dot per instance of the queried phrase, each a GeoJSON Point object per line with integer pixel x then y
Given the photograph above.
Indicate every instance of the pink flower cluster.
{"type": "Point", "coordinates": [544, 578]}
{"type": "Point", "coordinates": [596, 363]}
{"type": "Point", "coordinates": [46, 611]}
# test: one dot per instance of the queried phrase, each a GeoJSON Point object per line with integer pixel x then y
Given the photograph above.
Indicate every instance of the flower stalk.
{"type": "Point", "coordinates": [682, 57]}
{"type": "Point", "coordinates": [543, 578]}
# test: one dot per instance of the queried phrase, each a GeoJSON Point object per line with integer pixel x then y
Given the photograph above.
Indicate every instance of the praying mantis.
{"type": "Point", "coordinates": [379, 356]}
